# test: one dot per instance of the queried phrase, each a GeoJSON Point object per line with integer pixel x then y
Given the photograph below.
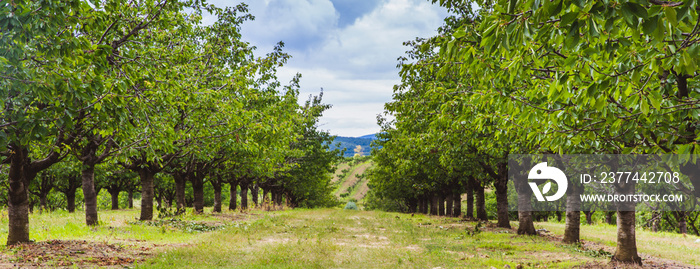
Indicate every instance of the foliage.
{"type": "Point", "coordinates": [351, 206]}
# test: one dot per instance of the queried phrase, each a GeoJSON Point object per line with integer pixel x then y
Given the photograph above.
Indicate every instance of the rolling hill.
{"type": "Point", "coordinates": [350, 143]}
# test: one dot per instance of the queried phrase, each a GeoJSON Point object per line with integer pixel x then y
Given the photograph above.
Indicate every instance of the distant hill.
{"type": "Point", "coordinates": [370, 136]}
{"type": "Point", "coordinates": [350, 143]}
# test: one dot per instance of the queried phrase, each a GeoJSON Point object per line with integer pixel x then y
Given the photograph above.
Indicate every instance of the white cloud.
{"type": "Point", "coordinates": [353, 59]}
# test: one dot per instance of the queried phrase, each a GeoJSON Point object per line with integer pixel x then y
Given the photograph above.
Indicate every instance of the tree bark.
{"type": "Point", "coordinates": [70, 201]}
{"type": "Point", "coordinates": [626, 251]}
{"type": "Point", "coordinates": [180, 183]}
{"type": "Point", "coordinates": [441, 205]}
{"type": "Point", "coordinates": [434, 205]}
{"type": "Point", "coordinates": [198, 191]}
{"type": "Point", "coordinates": [89, 194]}
{"type": "Point", "coordinates": [480, 202]}
{"type": "Point", "coordinates": [254, 191]}
{"type": "Point", "coordinates": [43, 204]}
{"type": "Point", "coordinates": [18, 202]}
{"type": "Point", "coordinates": [470, 197]}
{"type": "Point", "coordinates": [146, 177]}
{"type": "Point", "coordinates": [626, 239]}
{"type": "Point", "coordinates": [216, 184]}
{"type": "Point", "coordinates": [525, 223]}
{"type": "Point", "coordinates": [412, 205]}
{"type": "Point", "coordinates": [130, 202]}
{"type": "Point", "coordinates": [572, 227]}
{"type": "Point", "coordinates": [423, 205]}
{"type": "Point", "coordinates": [233, 197]}
{"type": "Point", "coordinates": [457, 200]}
{"type": "Point", "coordinates": [589, 217]}
{"type": "Point", "coordinates": [609, 217]}
{"type": "Point", "coordinates": [114, 193]}
{"type": "Point", "coordinates": [682, 221]}
{"type": "Point", "coordinates": [449, 205]}
{"type": "Point", "coordinates": [22, 171]}
{"type": "Point", "coordinates": [244, 196]}
{"type": "Point", "coordinates": [501, 186]}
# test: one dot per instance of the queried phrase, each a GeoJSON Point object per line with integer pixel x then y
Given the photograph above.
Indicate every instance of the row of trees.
{"type": "Point", "coordinates": [521, 77]}
{"type": "Point", "coordinates": [146, 86]}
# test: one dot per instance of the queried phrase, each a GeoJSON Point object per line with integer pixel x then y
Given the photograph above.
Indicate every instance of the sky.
{"type": "Point", "coordinates": [347, 47]}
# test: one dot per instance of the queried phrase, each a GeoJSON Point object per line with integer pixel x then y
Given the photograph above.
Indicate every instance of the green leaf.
{"type": "Point", "coordinates": [671, 15]}
{"type": "Point", "coordinates": [655, 99]}
{"type": "Point", "coordinates": [649, 25]}
{"type": "Point", "coordinates": [644, 106]}
{"type": "Point", "coordinates": [459, 33]}
{"type": "Point", "coordinates": [637, 10]}
{"type": "Point", "coordinates": [599, 103]}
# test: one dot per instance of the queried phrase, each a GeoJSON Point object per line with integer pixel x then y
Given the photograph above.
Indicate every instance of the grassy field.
{"type": "Point", "coordinates": [320, 238]}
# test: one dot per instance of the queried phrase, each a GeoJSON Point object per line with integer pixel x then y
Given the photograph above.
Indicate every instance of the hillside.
{"type": "Point", "coordinates": [350, 181]}
{"type": "Point", "coordinates": [350, 143]}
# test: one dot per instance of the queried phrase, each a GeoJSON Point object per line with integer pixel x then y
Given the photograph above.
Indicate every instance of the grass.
{"type": "Point", "coordinates": [666, 245]}
{"type": "Point", "coordinates": [335, 238]}
{"type": "Point", "coordinates": [116, 226]}
{"type": "Point", "coordinates": [360, 239]}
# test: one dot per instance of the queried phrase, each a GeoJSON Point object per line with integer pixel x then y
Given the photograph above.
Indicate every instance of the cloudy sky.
{"type": "Point", "coordinates": [347, 47]}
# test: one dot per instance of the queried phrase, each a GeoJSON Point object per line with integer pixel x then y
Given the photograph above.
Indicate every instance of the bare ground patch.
{"type": "Point", "coordinates": [70, 253]}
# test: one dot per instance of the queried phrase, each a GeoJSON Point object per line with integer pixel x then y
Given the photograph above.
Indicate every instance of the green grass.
{"type": "Point", "coordinates": [361, 239]}
{"type": "Point", "coordinates": [670, 246]}
{"type": "Point", "coordinates": [336, 238]}
{"type": "Point", "coordinates": [115, 227]}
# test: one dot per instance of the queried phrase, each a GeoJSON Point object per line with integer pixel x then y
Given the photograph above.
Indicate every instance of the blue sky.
{"type": "Point", "coordinates": [347, 47]}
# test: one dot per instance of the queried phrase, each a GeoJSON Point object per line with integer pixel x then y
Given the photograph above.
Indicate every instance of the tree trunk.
{"type": "Point", "coordinates": [198, 191]}
{"type": "Point", "coordinates": [216, 184]}
{"type": "Point", "coordinates": [626, 239]}
{"type": "Point", "coordinates": [422, 205]}
{"type": "Point", "coordinates": [449, 205]}
{"type": "Point", "coordinates": [525, 223]}
{"type": "Point", "coordinates": [609, 217]}
{"type": "Point", "coordinates": [412, 205]}
{"type": "Point", "coordinates": [89, 194]}
{"type": "Point", "coordinates": [233, 197]}
{"type": "Point", "coordinates": [470, 197]}
{"type": "Point", "coordinates": [626, 251]}
{"type": "Point", "coordinates": [434, 205]}
{"type": "Point", "coordinates": [43, 204]}
{"type": "Point", "coordinates": [441, 205]}
{"type": "Point", "coordinates": [501, 186]}
{"type": "Point", "coordinates": [682, 221]}
{"type": "Point", "coordinates": [180, 183]}
{"type": "Point", "coordinates": [244, 196]}
{"type": "Point", "coordinates": [480, 202]}
{"type": "Point", "coordinates": [114, 193]}
{"type": "Point", "coordinates": [589, 217]}
{"type": "Point", "coordinates": [18, 202]}
{"type": "Point", "coordinates": [572, 227]}
{"type": "Point", "coordinates": [278, 199]}
{"type": "Point", "coordinates": [70, 201]}
{"type": "Point", "coordinates": [655, 216]}
{"type": "Point", "coordinates": [525, 226]}
{"type": "Point", "coordinates": [457, 200]}
{"type": "Point", "coordinates": [146, 177]}
{"type": "Point", "coordinates": [254, 191]}
{"type": "Point", "coordinates": [130, 202]}
{"type": "Point", "coordinates": [265, 200]}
